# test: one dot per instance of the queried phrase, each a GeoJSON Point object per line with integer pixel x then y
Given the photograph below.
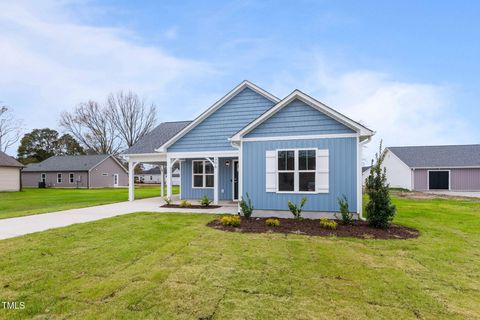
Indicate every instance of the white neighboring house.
{"type": "Point", "coordinates": [365, 174]}
{"type": "Point", "coordinates": [423, 168]}
{"type": "Point", "coordinates": [154, 176]}
{"type": "Point", "coordinates": [9, 173]}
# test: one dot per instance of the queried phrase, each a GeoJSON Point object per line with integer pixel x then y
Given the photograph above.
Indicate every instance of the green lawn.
{"type": "Point", "coordinates": [33, 201]}
{"type": "Point", "coordinates": [171, 266]}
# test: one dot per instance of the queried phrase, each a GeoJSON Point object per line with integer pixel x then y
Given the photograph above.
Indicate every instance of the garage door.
{"type": "Point", "coordinates": [9, 179]}
{"type": "Point", "coordinates": [438, 180]}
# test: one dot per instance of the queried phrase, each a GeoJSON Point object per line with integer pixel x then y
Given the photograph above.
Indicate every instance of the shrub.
{"type": "Point", "coordinates": [347, 217]}
{"type": "Point", "coordinates": [205, 201]}
{"type": "Point", "coordinates": [380, 210]}
{"type": "Point", "coordinates": [185, 204]}
{"type": "Point", "coordinates": [297, 210]}
{"type": "Point", "coordinates": [167, 200]}
{"type": "Point", "coordinates": [272, 222]}
{"type": "Point", "coordinates": [233, 221]}
{"type": "Point", "coordinates": [328, 224]}
{"type": "Point", "coordinates": [246, 207]}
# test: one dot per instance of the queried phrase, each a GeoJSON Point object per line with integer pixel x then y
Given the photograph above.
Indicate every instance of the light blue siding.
{"type": "Point", "coordinates": [213, 132]}
{"type": "Point", "coordinates": [298, 118]}
{"type": "Point", "coordinates": [342, 174]}
{"type": "Point", "coordinates": [224, 181]}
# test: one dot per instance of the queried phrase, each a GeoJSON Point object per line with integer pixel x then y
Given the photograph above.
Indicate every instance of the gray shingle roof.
{"type": "Point", "coordinates": [366, 168]}
{"type": "Point", "coordinates": [157, 137]}
{"type": "Point", "coordinates": [439, 156]}
{"type": "Point", "coordinates": [67, 163]}
{"type": "Point", "coordinates": [7, 161]}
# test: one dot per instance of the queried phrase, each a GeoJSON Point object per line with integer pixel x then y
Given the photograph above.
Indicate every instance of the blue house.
{"type": "Point", "coordinates": [274, 149]}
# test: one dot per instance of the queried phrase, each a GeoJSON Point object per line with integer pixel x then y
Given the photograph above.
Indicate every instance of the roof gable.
{"type": "Point", "coordinates": [438, 156]}
{"type": "Point", "coordinates": [298, 118]}
{"type": "Point", "coordinates": [7, 161]}
{"type": "Point", "coordinates": [298, 95]}
{"type": "Point", "coordinates": [240, 106]}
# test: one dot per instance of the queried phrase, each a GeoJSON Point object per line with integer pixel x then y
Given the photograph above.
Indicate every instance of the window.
{"type": "Point", "coordinates": [71, 178]}
{"type": "Point", "coordinates": [296, 170]}
{"type": "Point", "coordinates": [43, 177]}
{"type": "Point", "coordinates": [59, 178]}
{"type": "Point", "coordinates": [202, 174]}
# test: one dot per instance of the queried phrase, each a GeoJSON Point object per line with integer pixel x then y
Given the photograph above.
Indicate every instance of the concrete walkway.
{"type": "Point", "coordinates": [14, 227]}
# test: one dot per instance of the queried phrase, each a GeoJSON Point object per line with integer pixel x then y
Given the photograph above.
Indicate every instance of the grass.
{"type": "Point", "coordinates": [171, 266]}
{"type": "Point", "coordinates": [34, 201]}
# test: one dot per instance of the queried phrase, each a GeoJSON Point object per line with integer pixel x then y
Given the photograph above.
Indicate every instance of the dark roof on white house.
{"type": "Point", "coordinates": [439, 156]}
{"type": "Point", "coordinates": [366, 168]}
{"type": "Point", "coordinates": [156, 170]}
{"type": "Point", "coordinates": [7, 161]}
{"type": "Point", "coordinates": [157, 137]}
{"type": "Point", "coordinates": [67, 163]}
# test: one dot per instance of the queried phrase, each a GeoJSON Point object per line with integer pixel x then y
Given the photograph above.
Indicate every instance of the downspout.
{"type": "Point", "coordinates": [361, 143]}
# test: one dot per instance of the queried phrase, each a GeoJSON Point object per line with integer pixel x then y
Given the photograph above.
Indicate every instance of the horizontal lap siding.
{"type": "Point", "coordinates": [213, 132]}
{"type": "Point", "coordinates": [298, 118]}
{"type": "Point", "coordinates": [224, 181]}
{"type": "Point", "coordinates": [31, 179]}
{"type": "Point", "coordinates": [342, 174]}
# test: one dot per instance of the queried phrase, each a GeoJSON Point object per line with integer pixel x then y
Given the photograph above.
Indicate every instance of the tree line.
{"type": "Point", "coordinates": [90, 128]}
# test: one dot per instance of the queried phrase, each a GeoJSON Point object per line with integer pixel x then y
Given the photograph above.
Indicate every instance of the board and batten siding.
{"type": "Point", "coordinates": [9, 179]}
{"type": "Point", "coordinates": [461, 179]}
{"type": "Point", "coordinates": [224, 181]}
{"type": "Point", "coordinates": [298, 118]}
{"type": "Point", "coordinates": [342, 174]}
{"type": "Point", "coordinates": [213, 132]}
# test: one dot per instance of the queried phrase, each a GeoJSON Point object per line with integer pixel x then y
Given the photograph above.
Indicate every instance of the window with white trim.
{"type": "Point", "coordinates": [202, 174]}
{"type": "Point", "coordinates": [59, 178]}
{"type": "Point", "coordinates": [71, 177]}
{"type": "Point", "coordinates": [296, 170]}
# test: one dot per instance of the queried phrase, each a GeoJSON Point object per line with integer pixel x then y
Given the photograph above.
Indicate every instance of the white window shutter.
{"type": "Point", "coordinates": [321, 181]}
{"type": "Point", "coordinates": [271, 171]}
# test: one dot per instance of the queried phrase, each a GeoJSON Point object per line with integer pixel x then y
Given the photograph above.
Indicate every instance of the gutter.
{"type": "Point", "coordinates": [360, 216]}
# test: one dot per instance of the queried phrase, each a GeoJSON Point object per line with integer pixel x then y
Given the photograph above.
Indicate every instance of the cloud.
{"type": "Point", "coordinates": [49, 63]}
{"type": "Point", "coordinates": [401, 113]}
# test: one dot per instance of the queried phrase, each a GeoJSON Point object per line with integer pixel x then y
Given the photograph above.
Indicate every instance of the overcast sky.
{"type": "Point", "coordinates": [408, 70]}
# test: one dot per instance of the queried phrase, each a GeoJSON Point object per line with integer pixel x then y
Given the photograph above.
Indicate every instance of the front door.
{"type": "Point", "coordinates": [235, 179]}
{"type": "Point", "coordinates": [115, 180]}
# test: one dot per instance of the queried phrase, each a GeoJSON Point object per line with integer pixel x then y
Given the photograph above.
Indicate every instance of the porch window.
{"type": "Point", "coordinates": [202, 174]}
{"type": "Point", "coordinates": [296, 170]}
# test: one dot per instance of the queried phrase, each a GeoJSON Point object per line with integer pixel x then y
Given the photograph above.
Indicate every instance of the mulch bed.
{"type": "Point", "coordinates": [193, 206]}
{"type": "Point", "coordinates": [311, 227]}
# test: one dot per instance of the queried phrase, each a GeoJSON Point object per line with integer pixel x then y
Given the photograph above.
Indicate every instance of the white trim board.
{"type": "Point", "coordinates": [204, 154]}
{"type": "Point", "coordinates": [217, 105]}
{"type": "Point", "coordinates": [297, 94]}
{"type": "Point", "coordinates": [305, 137]}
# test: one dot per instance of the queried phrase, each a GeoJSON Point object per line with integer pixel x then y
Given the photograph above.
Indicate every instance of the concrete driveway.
{"type": "Point", "coordinates": [14, 227]}
{"type": "Point", "coordinates": [470, 194]}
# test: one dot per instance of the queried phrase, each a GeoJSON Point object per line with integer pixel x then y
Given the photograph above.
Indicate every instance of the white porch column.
{"type": "Point", "coordinates": [131, 180]}
{"type": "Point", "coordinates": [169, 177]}
{"type": "Point", "coordinates": [161, 181]}
{"type": "Point", "coordinates": [215, 180]}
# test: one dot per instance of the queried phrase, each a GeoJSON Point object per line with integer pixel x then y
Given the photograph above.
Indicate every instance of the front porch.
{"type": "Point", "coordinates": [215, 174]}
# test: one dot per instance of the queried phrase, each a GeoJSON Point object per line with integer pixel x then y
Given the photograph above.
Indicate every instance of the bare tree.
{"type": "Point", "coordinates": [130, 116]}
{"type": "Point", "coordinates": [10, 128]}
{"type": "Point", "coordinates": [90, 124]}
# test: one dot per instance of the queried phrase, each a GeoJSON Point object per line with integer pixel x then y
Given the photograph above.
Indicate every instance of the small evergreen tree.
{"type": "Point", "coordinates": [380, 210]}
